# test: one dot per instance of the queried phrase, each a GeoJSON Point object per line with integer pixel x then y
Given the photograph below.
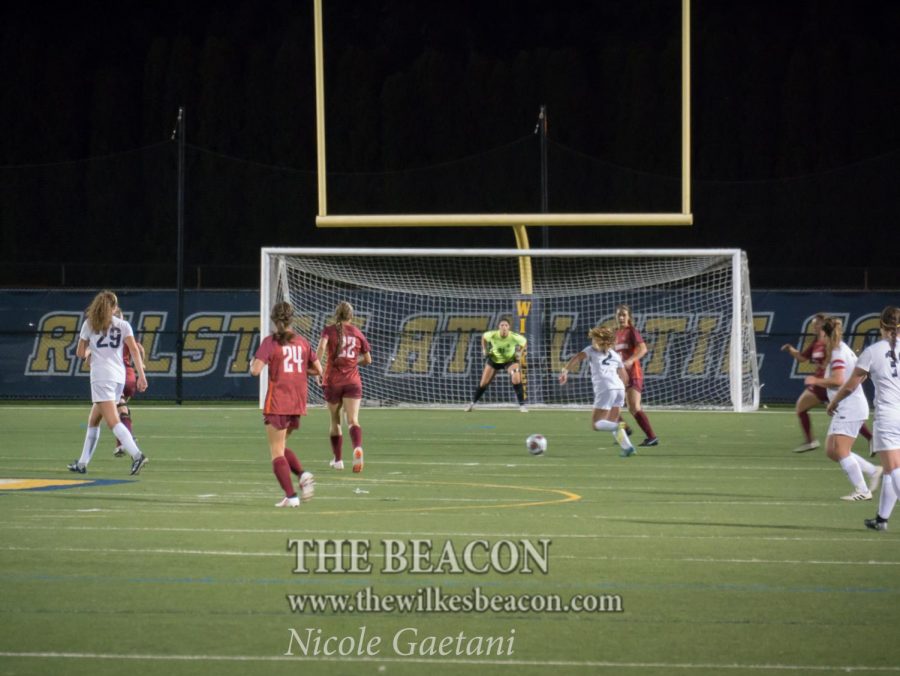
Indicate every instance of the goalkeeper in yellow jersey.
{"type": "Point", "coordinates": [502, 350]}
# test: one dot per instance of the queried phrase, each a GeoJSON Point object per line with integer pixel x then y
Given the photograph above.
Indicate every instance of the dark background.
{"type": "Point", "coordinates": [431, 107]}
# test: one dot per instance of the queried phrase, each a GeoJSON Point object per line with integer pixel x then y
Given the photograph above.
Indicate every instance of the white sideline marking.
{"type": "Point", "coordinates": [281, 553]}
{"type": "Point", "coordinates": [881, 542]}
{"type": "Point", "coordinates": [446, 660]}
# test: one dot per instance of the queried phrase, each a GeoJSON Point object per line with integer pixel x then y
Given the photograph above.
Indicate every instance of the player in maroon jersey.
{"type": "Point", "coordinates": [631, 347]}
{"type": "Point", "coordinates": [346, 349]}
{"type": "Point", "coordinates": [813, 395]}
{"type": "Point", "coordinates": [289, 361]}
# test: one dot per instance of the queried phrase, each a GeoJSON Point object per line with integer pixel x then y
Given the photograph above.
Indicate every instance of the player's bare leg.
{"type": "Point", "coordinates": [335, 436]}
{"type": "Point", "coordinates": [805, 402]}
{"type": "Point", "coordinates": [351, 406]}
{"type": "Point", "coordinates": [633, 400]}
{"type": "Point", "coordinates": [487, 375]}
{"type": "Point", "coordinates": [515, 377]}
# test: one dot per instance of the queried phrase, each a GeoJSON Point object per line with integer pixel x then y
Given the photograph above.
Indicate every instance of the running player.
{"type": "Point", "coordinates": [290, 361]}
{"type": "Point", "coordinates": [849, 416]}
{"type": "Point", "coordinates": [880, 363]}
{"type": "Point", "coordinates": [102, 339]}
{"type": "Point", "coordinates": [813, 395]}
{"type": "Point", "coordinates": [608, 377]}
{"type": "Point", "coordinates": [502, 349]}
{"type": "Point", "coordinates": [346, 349]}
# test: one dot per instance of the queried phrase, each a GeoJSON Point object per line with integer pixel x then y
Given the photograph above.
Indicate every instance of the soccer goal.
{"type": "Point", "coordinates": [424, 310]}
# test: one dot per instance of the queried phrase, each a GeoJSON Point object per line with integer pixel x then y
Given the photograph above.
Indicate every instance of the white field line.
{"type": "Point", "coordinates": [513, 464]}
{"type": "Point", "coordinates": [460, 661]}
{"type": "Point", "coordinates": [310, 555]}
{"type": "Point", "coordinates": [880, 542]}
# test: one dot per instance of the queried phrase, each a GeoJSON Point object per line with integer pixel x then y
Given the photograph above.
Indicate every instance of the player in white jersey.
{"type": "Point", "coordinates": [850, 414]}
{"type": "Point", "coordinates": [880, 363]}
{"type": "Point", "coordinates": [101, 341]}
{"type": "Point", "coordinates": [608, 377]}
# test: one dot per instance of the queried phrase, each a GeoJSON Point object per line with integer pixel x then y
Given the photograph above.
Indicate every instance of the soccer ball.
{"type": "Point", "coordinates": [536, 444]}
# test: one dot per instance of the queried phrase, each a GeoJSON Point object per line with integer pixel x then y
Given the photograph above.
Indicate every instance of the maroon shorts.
{"type": "Point", "coordinates": [335, 394]}
{"type": "Point", "coordinates": [636, 384]}
{"type": "Point", "coordinates": [130, 383]}
{"type": "Point", "coordinates": [282, 422]}
{"type": "Point", "coordinates": [820, 392]}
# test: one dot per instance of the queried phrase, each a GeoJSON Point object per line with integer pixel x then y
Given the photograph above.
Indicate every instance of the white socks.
{"type": "Point", "coordinates": [606, 426]}
{"type": "Point", "coordinates": [854, 472]}
{"type": "Point", "coordinates": [90, 443]}
{"type": "Point", "coordinates": [127, 441]}
{"type": "Point", "coordinates": [888, 496]}
{"type": "Point", "coordinates": [867, 467]}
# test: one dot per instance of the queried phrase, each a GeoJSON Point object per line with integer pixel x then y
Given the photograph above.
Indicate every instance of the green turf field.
{"type": "Point", "coordinates": [728, 553]}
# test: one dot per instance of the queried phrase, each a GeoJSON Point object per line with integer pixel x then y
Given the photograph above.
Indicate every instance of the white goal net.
{"type": "Point", "coordinates": [424, 310]}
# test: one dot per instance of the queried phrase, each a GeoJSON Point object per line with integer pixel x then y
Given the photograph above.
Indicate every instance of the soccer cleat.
{"type": "Point", "coordinates": [628, 430]}
{"type": "Point", "coordinates": [307, 486]}
{"type": "Point", "coordinates": [875, 478]}
{"type": "Point", "coordinates": [523, 408]}
{"type": "Point", "coordinates": [809, 446]}
{"type": "Point", "coordinates": [469, 407]}
{"type": "Point", "coordinates": [650, 442]}
{"type": "Point", "coordinates": [628, 452]}
{"type": "Point", "coordinates": [77, 467]}
{"type": "Point", "coordinates": [138, 463]}
{"type": "Point", "coordinates": [289, 502]}
{"type": "Point", "coordinates": [875, 524]}
{"type": "Point", "coordinates": [336, 464]}
{"type": "Point", "coordinates": [624, 442]}
{"type": "Point", "coordinates": [119, 452]}
{"type": "Point", "coordinates": [357, 459]}
{"type": "Point", "coordinates": [857, 496]}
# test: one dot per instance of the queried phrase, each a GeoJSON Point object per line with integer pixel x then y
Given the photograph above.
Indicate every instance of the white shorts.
{"type": "Point", "coordinates": [885, 435]}
{"type": "Point", "coordinates": [609, 399]}
{"type": "Point", "coordinates": [106, 390]}
{"type": "Point", "coordinates": [846, 428]}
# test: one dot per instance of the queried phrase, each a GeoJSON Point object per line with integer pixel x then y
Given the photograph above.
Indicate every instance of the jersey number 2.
{"type": "Point", "coordinates": [293, 358]}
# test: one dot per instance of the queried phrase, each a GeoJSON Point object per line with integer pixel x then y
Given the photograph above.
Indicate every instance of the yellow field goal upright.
{"type": "Point", "coordinates": [326, 220]}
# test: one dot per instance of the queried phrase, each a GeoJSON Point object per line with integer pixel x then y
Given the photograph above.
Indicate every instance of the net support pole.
{"type": "Point", "coordinates": [320, 108]}
{"type": "Point", "coordinates": [734, 357]}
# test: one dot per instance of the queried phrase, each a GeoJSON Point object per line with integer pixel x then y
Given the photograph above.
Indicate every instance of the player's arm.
{"type": "Point", "coordinates": [83, 349]}
{"type": "Point", "coordinates": [640, 351]}
{"type": "Point", "coordinates": [572, 363]}
{"type": "Point", "coordinates": [836, 379]}
{"type": "Point", "coordinates": [314, 368]}
{"type": "Point", "coordinates": [137, 357]}
{"type": "Point", "coordinates": [795, 353]}
{"type": "Point", "coordinates": [623, 375]}
{"type": "Point", "coordinates": [256, 367]}
{"type": "Point", "coordinates": [855, 380]}
{"type": "Point", "coordinates": [521, 345]}
{"type": "Point", "coordinates": [320, 349]}
{"type": "Point", "coordinates": [365, 359]}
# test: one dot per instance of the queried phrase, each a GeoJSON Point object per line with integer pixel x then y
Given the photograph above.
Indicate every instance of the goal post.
{"type": "Point", "coordinates": [424, 310]}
